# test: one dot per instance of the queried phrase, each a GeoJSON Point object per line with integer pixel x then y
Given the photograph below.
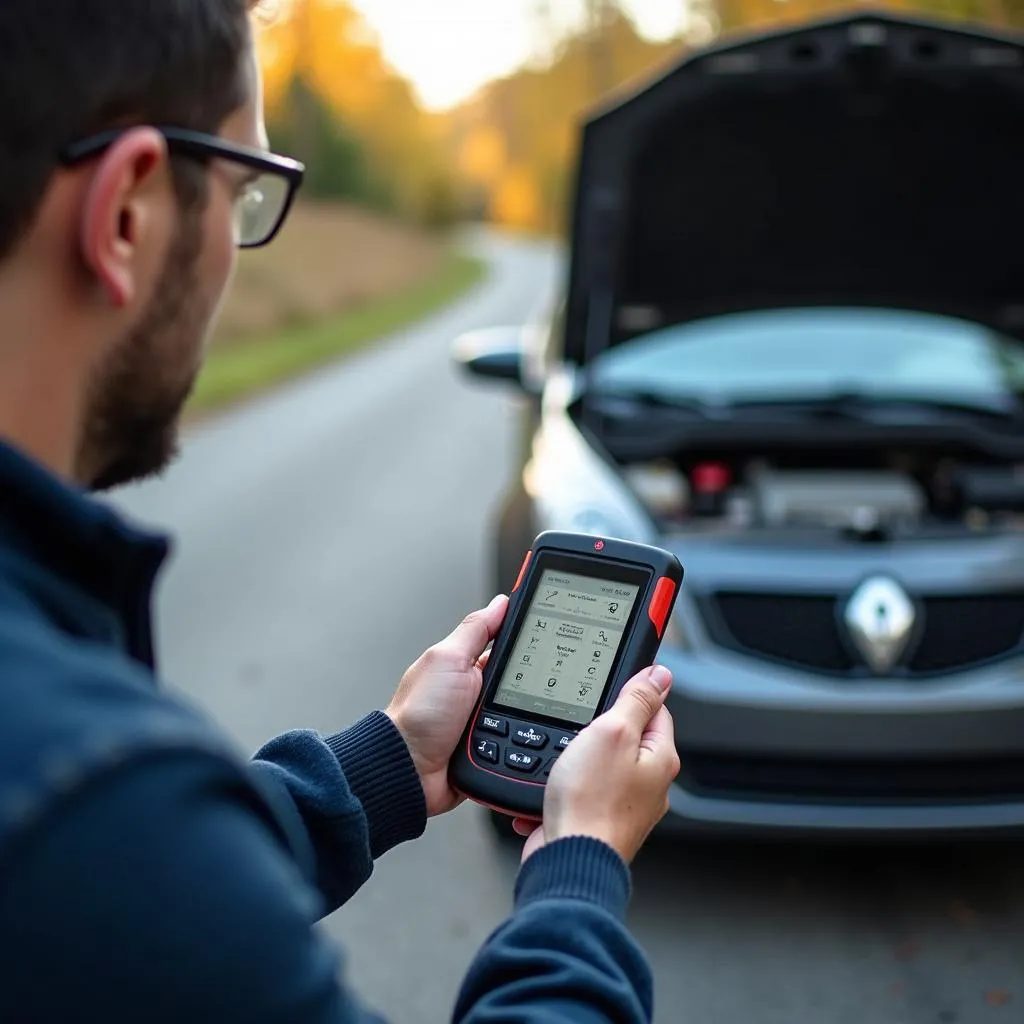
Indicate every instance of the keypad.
{"type": "Point", "coordinates": [513, 748]}
{"type": "Point", "coordinates": [528, 736]}
{"type": "Point", "coordinates": [493, 724]}
{"type": "Point", "coordinates": [486, 750]}
{"type": "Point", "coordinates": [521, 761]}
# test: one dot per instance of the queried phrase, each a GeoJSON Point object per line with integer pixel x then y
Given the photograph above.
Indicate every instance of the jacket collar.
{"type": "Point", "coordinates": [81, 541]}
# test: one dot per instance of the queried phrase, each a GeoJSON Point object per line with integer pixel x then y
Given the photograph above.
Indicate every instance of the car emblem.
{"type": "Point", "coordinates": [880, 618]}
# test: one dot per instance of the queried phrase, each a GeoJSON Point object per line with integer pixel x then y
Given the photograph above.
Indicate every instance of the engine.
{"type": "Point", "coordinates": [859, 500]}
{"type": "Point", "coordinates": [892, 493]}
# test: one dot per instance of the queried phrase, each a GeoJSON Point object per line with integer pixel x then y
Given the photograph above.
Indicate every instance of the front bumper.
{"type": "Point", "coordinates": [766, 749]}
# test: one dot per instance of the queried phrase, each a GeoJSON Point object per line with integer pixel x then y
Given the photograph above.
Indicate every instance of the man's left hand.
{"type": "Point", "coordinates": [436, 697]}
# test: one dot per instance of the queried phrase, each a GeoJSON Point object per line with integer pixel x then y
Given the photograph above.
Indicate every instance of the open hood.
{"type": "Point", "coordinates": [863, 161]}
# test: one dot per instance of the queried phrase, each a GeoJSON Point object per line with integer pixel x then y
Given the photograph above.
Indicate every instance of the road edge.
{"type": "Point", "coordinates": [235, 375]}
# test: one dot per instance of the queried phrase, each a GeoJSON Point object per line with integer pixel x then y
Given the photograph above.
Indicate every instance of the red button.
{"type": "Point", "coordinates": [661, 602]}
{"type": "Point", "coordinates": [522, 571]}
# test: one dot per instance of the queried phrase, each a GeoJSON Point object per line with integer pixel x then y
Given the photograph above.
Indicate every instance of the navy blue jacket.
{"type": "Point", "coordinates": [151, 872]}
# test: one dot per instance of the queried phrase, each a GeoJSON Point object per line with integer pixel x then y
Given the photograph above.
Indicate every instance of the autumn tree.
{"type": "Point", "coordinates": [334, 101]}
{"type": "Point", "coordinates": [515, 142]}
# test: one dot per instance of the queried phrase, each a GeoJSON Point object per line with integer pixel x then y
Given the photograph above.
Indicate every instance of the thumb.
{"type": "Point", "coordinates": [642, 697]}
{"type": "Point", "coordinates": [468, 640]}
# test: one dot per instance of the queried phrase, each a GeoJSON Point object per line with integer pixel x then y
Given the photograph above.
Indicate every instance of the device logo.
{"type": "Point", "coordinates": [880, 617]}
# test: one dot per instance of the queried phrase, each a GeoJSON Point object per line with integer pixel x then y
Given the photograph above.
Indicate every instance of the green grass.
{"type": "Point", "coordinates": [243, 369]}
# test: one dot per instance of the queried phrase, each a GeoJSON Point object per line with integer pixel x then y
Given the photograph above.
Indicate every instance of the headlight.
{"type": "Point", "coordinates": [577, 491]}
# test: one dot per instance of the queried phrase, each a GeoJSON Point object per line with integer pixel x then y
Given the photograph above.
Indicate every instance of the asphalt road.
{"type": "Point", "coordinates": [330, 532]}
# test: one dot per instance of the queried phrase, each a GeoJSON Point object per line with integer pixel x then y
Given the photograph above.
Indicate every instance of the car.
{"type": "Point", "coordinates": [789, 346]}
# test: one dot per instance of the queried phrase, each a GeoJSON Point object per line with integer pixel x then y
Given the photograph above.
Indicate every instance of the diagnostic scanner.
{"type": "Point", "coordinates": [585, 615]}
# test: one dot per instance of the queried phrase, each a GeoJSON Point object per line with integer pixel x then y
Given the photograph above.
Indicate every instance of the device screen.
{"type": "Point", "coordinates": [567, 645]}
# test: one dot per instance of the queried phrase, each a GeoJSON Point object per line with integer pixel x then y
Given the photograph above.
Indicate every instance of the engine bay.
{"type": "Point", "coordinates": [865, 495]}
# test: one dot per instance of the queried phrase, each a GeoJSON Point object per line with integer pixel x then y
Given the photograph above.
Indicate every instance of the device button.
{"type": "Point", "coordinates": [486, 750]}
{"type": "Point", "coordinates": [522, 571]}
{"type": "Point", "coordinates": [564, 740]}
{"type": "Point", "coordinates": [661, 601]}
{"type": "Point", "coordinates": [521, 761]}
{"type": "Point", "coordinates": [491, 723]}
{"type": "Point", "coordinates": [550, 764]}
{"type": "Point", "coordinates": [527, 736]}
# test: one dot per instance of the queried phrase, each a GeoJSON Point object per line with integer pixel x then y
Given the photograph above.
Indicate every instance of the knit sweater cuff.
{"type": "Point", "coordinates": [576, 868]}
{"type": "Point", "coordinates": [380, 772]}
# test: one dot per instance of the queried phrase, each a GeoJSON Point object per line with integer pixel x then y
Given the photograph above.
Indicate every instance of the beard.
{"type": "Point", "coordinates": [131, 430]}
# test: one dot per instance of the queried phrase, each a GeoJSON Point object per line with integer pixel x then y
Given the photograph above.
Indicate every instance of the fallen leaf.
{"type": "Point", "coordinates": [997, 997]}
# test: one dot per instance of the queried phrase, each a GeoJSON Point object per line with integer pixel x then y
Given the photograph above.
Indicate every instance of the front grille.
{"type": "Point", "coordinates": [902, 782]}
{"type": "Point", "coordinates": [806, 631]}
{"type": "Point", "coordinates": [961, 631]}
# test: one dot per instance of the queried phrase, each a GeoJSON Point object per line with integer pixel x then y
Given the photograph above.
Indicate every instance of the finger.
{"type": "Point", "coordinates": [641, 698]}
{"type": "Point", "coordinates": [481, 662]}
{"type": "Point", "coordinates": [659, 734]}
{"type": "Point", "coordinates": [525, 827]}
{"type": "Point", "coordinates": [469, 639]}
{"type": "Point", "coordinates": [658, 746]}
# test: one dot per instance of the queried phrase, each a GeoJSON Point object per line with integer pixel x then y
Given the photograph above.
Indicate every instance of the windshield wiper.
{"type": "Point", "coordinates": [620, 399]}
{"type": "Point", "coordinates": [857, 406]}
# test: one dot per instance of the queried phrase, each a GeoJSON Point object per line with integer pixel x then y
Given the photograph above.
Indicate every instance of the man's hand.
{"type": "Point", "coordinates": [612, 781]}
{"type": "Point", "coordinates": [436, 697]}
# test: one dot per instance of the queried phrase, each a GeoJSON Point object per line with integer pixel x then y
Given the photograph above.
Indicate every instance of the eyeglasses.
{"type": "Point", "coordinates": [265, 199]}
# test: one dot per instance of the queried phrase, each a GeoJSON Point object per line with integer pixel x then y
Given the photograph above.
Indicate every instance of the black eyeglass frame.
{"type": "Point", "coordinates": [202, 146]}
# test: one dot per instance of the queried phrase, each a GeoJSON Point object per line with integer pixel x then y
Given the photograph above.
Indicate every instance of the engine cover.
{"type": "Point", "coordinates": [837, 499]}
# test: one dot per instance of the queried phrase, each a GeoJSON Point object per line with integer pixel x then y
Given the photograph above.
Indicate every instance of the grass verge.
{"type": "Point", "coordinates": [241, 370]}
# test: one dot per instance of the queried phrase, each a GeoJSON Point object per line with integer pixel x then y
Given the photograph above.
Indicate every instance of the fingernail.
{"type": "Point", "coordinates": [661, 677]}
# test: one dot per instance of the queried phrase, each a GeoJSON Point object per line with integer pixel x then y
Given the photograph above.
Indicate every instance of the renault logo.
{"type": "Point", "coordinates": [880, 618]}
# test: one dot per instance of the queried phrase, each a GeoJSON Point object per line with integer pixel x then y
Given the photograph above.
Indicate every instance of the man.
{"type": "Point", "coordinates": [148, 873]}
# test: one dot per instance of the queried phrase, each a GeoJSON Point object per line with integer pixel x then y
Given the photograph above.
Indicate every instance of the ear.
{"type": "Point", "coordinates": [122, 220]}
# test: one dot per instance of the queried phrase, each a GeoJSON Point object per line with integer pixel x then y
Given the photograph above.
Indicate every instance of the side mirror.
{"type": "Point", "coordinates": [494, 352]}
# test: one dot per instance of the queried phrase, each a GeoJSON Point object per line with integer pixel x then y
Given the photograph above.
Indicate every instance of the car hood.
{"type": "Point", "coordinates": [863, 161]}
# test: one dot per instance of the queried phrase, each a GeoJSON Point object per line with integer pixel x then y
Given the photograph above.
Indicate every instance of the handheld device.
{"type": "Point", "coordinates": [585, 615]}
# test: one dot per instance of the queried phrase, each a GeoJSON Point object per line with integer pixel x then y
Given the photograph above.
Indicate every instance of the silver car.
{"type": "Point", "coordinates": [790, 347]}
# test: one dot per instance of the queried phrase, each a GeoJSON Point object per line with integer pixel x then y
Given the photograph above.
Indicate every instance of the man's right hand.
{"type": "Point", "coordinates": [612, 781]}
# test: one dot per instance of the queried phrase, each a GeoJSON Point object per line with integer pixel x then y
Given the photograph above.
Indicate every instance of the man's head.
{"type": "Point", "coordinates": [120, 213]}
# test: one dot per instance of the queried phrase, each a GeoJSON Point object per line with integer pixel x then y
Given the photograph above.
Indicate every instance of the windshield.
{"type": "Point", "coordinates": [803, 354]}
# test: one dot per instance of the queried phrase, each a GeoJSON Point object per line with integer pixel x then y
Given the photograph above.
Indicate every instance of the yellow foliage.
{"type": "Point", "coordinates": [531, 120]}
{"type": "Point", "coordinates": [515, 201]}
{"type": "Point", "coordinates": [482, 155]}
{"type": "Point", "coordinates": [332, 46]}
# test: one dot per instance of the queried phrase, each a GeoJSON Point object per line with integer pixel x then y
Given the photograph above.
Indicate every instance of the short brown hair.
{"type": "Point", "coordinates": [72, 67]}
